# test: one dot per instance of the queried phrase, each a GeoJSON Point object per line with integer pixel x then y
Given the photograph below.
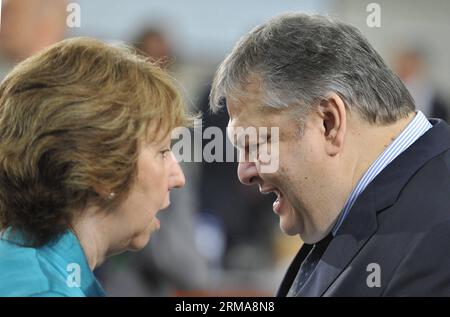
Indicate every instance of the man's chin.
{"type": "Point", "coordinates": [287, 227]}
{"type": "Point", "coordinates": [312, 237]}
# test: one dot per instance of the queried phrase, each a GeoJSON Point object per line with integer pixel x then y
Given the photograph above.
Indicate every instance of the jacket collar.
{"type": "Point", "coordinates": [361, 222]}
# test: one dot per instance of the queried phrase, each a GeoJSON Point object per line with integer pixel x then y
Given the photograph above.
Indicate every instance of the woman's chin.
{"type": "Point", "coordinates": [139, 242]}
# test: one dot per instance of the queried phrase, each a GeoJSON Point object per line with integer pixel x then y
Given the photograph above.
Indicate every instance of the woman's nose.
{"type": "Point", "coordinates": [176, 178]}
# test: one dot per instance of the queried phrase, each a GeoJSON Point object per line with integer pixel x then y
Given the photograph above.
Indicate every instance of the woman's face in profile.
{"type": "Point", "coordinates": [158, 173]}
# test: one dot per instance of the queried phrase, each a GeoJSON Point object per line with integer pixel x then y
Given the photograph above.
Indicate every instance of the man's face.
{"type": "Point", "coordinates": [305, 174]}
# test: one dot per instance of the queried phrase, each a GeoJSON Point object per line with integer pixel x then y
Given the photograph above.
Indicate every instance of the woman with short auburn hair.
{"type": "Point", "coordinates": [85, 164]}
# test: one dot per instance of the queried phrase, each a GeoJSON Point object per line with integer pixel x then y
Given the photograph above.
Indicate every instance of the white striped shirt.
{"type": "Point", "coordinates": [415, 129]}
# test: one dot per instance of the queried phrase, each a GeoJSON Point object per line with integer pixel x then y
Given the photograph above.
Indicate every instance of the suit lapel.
{"type": "Point", "coordinates": [344, 246]}
{"type": "Point", "coordinates": [292, 270]}
{"type": "Point", "coordinates": [361, 222]}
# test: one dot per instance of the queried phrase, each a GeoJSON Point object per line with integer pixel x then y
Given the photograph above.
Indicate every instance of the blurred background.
{"type": "Point", "coordinates": [220, 238]}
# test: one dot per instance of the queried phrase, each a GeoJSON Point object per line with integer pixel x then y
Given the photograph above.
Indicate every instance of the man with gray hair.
{"type": "Point", "coordinates": [363, 178]}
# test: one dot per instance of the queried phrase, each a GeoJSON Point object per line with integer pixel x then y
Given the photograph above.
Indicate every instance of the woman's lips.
{"type": "Point", "coordinates": [156, 224]}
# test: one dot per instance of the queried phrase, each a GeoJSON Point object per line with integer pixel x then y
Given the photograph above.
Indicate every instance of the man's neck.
{"type": "Point", "coordinates": [372, 142]}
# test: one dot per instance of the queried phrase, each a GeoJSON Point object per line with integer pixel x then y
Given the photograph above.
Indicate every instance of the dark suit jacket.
{"type": "Point", "coordinates": [400, 222]}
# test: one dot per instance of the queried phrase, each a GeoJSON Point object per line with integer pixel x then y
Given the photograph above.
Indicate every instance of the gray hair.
{"type": "Point", "coordinates": [300, 59]}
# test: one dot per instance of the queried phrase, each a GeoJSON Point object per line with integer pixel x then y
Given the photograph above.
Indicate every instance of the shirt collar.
{"type": "Point", "coordinates": [413, 131]}
{"type": "Point", "coordinates": [68, 253]}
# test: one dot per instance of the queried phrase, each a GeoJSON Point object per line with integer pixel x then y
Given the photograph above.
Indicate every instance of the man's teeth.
{"type": "Point", "coordinates": [275, 191]}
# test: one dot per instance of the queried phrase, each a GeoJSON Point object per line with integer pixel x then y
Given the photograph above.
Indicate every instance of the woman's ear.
{"type": "Point", "coordinates": [333, 114]}
{"type": "Point", "coordinates": [103, 192]}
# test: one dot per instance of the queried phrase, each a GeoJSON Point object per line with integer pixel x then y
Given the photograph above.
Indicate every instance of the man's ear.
{"type": "Point", "coordinates": [334, 119]}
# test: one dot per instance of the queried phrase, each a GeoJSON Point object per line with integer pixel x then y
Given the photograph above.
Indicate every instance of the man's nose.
{"type": "Point", "coordinates": [247, 172]}
{"type": "Point", "coordinates": [176, 179]}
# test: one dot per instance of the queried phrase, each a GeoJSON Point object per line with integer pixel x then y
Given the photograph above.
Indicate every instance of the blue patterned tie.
{"type": "Point", "coordinates": [308, 265]}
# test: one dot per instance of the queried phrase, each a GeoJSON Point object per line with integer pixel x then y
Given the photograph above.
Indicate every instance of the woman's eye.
{"type": "Point", "coordinates": [164, 153]}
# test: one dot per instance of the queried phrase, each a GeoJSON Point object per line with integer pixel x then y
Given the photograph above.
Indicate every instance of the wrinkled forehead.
{"type": "Point", "coordinates": [247, 112]}
{"type": "Point", "coordinates": [251, 119]}
{"type": "Point", "coordinates": [248, 108]}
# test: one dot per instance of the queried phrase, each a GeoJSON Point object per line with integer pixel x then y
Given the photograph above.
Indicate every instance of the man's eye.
{"type": "Point", "coordinates": [264, 140]}
{"type": "Point", "coordinates": [251, 148]}
{"type": "Point", "coordinates": [247, 148]}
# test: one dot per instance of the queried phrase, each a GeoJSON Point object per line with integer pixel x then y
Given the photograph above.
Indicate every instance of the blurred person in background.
{"type": "Point", "coordinates": [83, 171]}
{"type": "Point", "coordinates": [173, 263]}
{"type": "Point", "coordinates": [411, 67]}
{"type": "Point", "coordinates": [154, 44]}
{"type": "Point", "coordinates": [27, 27]}
{"type": "Point", "coordinates": [363, 177]}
